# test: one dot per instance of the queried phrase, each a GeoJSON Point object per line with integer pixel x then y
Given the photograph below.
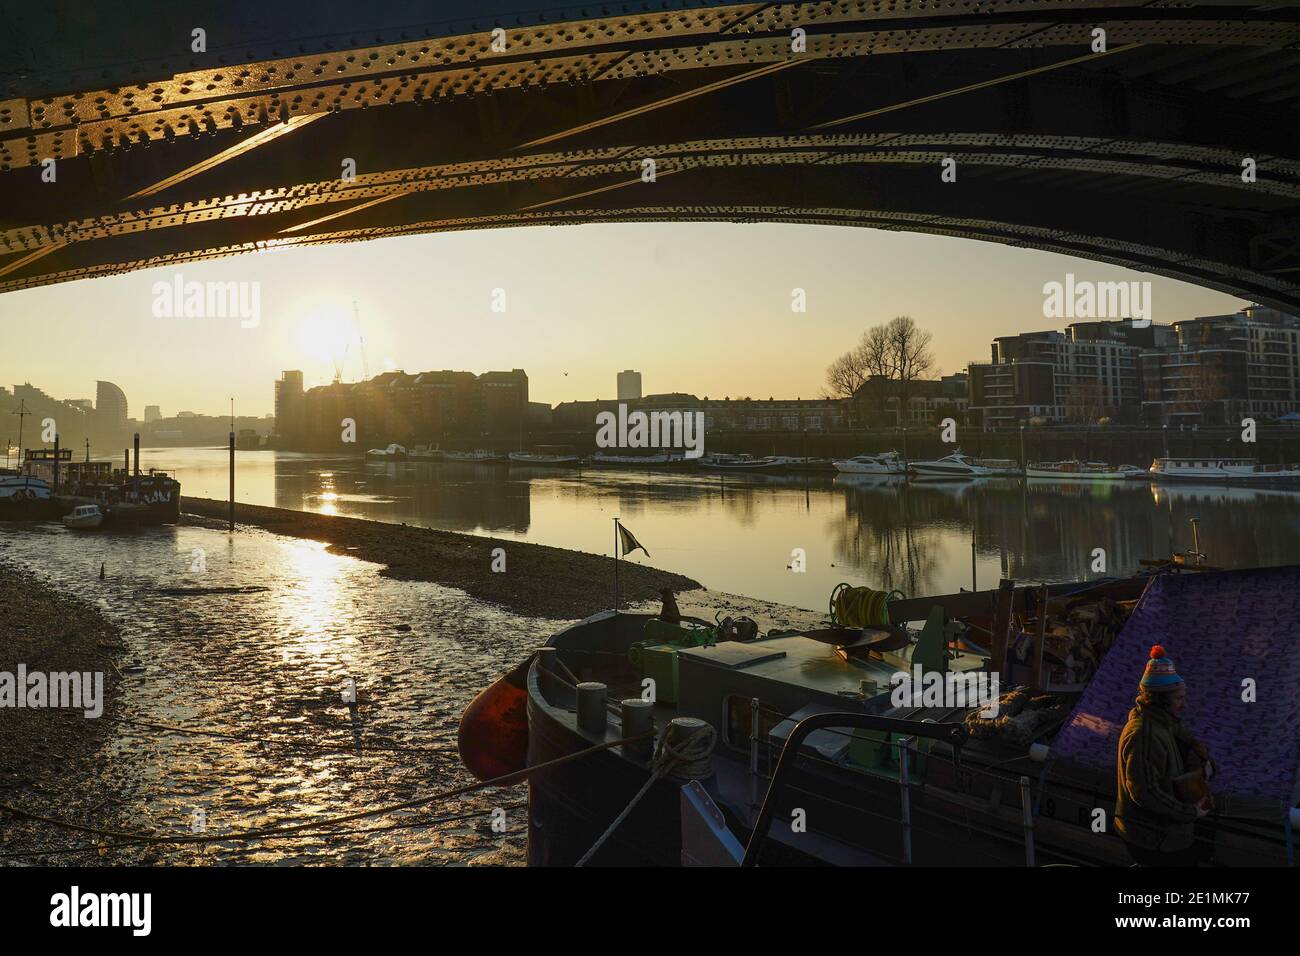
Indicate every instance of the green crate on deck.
{"type": "Point", "coordinates": [655, 656]}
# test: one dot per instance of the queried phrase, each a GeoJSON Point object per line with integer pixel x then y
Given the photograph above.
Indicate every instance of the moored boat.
{"type": "Point", "coordinates": [1075, 470]}
{"type": "Point", "coordinates": [549, 461]}
{"type": "Point", "coordinates": [480, 456]}
{"type": "Point", "coordinates": [1221, 469]}
{"type": "Point", "coordinates": [887, 772]}
{"type": "Point", "coordinates": [886, 463]}
{"type": "Point", "coordinates": [955, 465]}
{"type": "Point", "coordinates": [83, 517]}
{"type": "Point", "coordinates": [24, 497]}
{"type": "Point", "coordinates": [604, 460]}
{"type": "Point", "coordinates": [768, 465]}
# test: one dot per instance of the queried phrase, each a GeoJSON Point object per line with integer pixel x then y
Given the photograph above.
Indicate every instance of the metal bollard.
{"type": "Point", "coordinates": [638, 717]}
{"type": "Point", "coordinates": [592, 716]}
{"type": "Point", "coordinates": [753, 750]}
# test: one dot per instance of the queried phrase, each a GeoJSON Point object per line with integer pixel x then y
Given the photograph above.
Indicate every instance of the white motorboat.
{"type": "Point", "coordinates": [392, 451]}
{"type": "Point", "coordinates": [1075, 470]}
{"type": "Point", "coordinates": [1221, 469]}
{"type": "Point", "coordinates": [886, 463]}
{"type": "Point", "coordinates": [84, 517]}
{"type": "Point", "coordinates": [955, 465]}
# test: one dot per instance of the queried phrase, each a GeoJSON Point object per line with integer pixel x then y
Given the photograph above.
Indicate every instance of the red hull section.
{"type": "Point", "coordinates": [493, 735]}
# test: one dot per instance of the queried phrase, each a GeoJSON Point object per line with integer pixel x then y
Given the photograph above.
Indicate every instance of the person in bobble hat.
{"type": "Point", "coordinates": [1162, 774]}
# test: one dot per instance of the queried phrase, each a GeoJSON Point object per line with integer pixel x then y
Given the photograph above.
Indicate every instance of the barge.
{"type": "Point", "coordinates": [808, 756]}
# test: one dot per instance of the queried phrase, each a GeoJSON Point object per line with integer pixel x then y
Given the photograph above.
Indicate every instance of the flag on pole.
{"type": "Point", "coordinates": [629, 541]}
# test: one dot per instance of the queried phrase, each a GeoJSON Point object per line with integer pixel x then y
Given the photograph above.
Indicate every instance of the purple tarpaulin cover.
{"type": "Point", "coordinates": [1219, 628]}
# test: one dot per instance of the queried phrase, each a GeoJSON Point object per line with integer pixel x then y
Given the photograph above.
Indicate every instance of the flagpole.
{"type": "Point", "coordinates": [615, 565]}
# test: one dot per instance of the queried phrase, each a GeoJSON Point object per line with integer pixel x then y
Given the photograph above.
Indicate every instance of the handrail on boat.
{"type": "Point", "coordinates": [953, 733]}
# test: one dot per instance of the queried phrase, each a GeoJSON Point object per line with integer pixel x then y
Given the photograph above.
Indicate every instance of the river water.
{"type": "Point", "coordinates": [739, 533]}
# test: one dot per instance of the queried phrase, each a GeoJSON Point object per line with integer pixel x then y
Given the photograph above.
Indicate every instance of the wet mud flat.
{"type": "Point", "coordinates": [539, 580]}
{"type": "Point", "coordinates": [47, 753]}
{"type": "Point", "coordinates": [225, 659]}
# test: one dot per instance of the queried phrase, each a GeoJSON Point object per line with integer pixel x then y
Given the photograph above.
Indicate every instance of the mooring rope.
{"type": "Point", "coordinates": [693, 755]}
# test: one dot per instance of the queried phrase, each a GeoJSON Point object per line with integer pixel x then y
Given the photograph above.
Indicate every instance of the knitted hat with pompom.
{"type": "Point", "coordinates": [1160, 673]}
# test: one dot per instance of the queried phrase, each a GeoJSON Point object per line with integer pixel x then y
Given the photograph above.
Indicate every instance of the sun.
{"type": "Point", "coordinates": [327, 334]}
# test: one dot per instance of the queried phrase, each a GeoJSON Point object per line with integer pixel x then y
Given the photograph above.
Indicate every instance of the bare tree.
{"type": "Point", "coordinates": [909, 356]}
{"type": "Point", "coordinates": [844, 376]}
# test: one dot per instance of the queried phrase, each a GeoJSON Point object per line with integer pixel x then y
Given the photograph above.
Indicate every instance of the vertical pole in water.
{"type": "Point", "coordinates": [232, 482]}
{"type": "Point", "coordinates": [972, 552]}
{"type": "Point", "coordinates": [1027, 817]}
{"type": "Point", "coordinates": [903, 784]}
{"type": "Point", "coordinates": [56, 463]}
{"type": "Point", "coordinates": [136, 445]}
{"type": "Point", "coordinates": [616, 566]}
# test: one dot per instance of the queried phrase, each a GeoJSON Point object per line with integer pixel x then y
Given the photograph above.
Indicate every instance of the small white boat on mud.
{"type": "Point", "coordinates": [886, 463]}
{"type": "Point", "coordinates": [768, 465]}
{"type": "Point", "coordinates": [83, 517]}
{"type": "Point", "coordinates": [1221, 469]}
{"type": "Point", "coordinates": [955, 465]}
{"type": "Point", "coordinates": [392, 452]}
{"type": "Point", "coordinates": [547, 461]}
{"type": "Point", "coordinates": [1075, 470]}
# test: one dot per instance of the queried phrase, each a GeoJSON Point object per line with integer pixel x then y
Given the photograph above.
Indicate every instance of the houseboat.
{"type": "Point", "coordinates": [1221, 469]}
{"type": "Point", "coordinates": [1075, 470]}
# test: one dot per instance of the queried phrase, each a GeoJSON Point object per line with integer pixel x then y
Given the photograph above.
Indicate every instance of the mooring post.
{"type": "Point", "coordinates": [591, 706]}
{"type": "Point", "coordinates": [232, 481]}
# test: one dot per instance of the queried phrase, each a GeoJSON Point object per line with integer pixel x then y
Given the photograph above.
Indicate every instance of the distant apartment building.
{"type": "Point", "coordinates": [424, 408]}
{"type": "Point", "coordinates": [289, 404]}
{"type": "Point", "coordinates": [629, 385]}
{"type": "Point", "coordinates": [1224, 368]}
{"type": "Point", "coordinates": [110, 408]}
{"type": "Point", "coordinates": [152, 413]}
{"type": "Point", "coordinates": [1090, 371]}
{"type": "Point", "coordinates": [928, 401]}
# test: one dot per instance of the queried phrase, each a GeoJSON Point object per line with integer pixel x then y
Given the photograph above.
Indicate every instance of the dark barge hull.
{"type": "Point", "coordinates": [962, 816]}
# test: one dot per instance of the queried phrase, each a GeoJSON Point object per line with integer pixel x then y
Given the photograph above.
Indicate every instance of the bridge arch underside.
{"type": "Point", "coordinates": [1132, 156]}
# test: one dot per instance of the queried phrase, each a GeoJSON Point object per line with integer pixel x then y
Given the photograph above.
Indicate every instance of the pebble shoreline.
{"type": "Point", "coordinates": [46, 753]}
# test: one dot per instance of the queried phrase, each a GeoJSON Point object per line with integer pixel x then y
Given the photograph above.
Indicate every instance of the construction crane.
{"type": "Point", "coordinates": [356, 321]}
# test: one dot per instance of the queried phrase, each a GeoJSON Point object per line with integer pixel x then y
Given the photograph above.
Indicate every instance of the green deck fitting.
{"type": "Point", "coordinates": [932, 649]}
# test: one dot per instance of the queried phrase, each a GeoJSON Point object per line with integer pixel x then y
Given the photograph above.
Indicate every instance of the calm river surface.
{"type": "Point", "coordinates": [738, 534]}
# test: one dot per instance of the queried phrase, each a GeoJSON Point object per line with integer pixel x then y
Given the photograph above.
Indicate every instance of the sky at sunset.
{"type": "Point", "coordinates": [701, 308]}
